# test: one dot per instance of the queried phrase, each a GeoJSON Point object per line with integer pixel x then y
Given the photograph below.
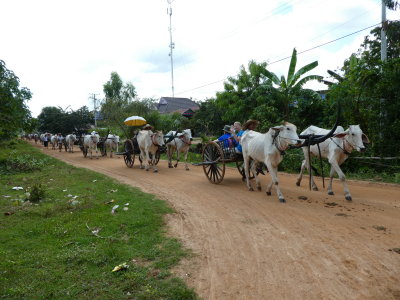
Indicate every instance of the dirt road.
{"type": "Point", "coordinates": [249, 246]}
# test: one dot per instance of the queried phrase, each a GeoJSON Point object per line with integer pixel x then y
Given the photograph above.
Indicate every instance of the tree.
{"type": "Point", "coordinates": [56, 120]}
{"type": "Point", "coordinates": [370, 93]}
{"type": "Point", "coordinates": [119, 97]}
{"type": "Point", "coordinates": [244, 92]}
{"type": "Point", "coordinates": [118, 92]}
{"type": "Point", "coordinates": [208, 119]}
{"type": "Point", "coordinates": [371, 47]}
{"type": "Point", "coordinates": [392, 4]}
{"type": "Point", "coordinates": [14, 113]}
{"type": "Point", "coordinates": [290, 88]}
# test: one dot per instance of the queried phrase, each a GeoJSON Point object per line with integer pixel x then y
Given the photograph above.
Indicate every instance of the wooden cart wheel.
{"type": "Point", "coordinates": [129, 156]}
{"type": "Point", "coordinates": [215, 172]}
{"type": "Point", "coordinates": [240, 167]}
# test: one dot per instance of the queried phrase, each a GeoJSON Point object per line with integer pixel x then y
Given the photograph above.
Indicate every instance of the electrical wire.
{"type": "Point", "coordinates": [287, 57]}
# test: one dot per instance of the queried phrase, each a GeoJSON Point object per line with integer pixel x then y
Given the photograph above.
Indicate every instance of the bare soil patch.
{"type": "Point", "coordinates": [247, 245]}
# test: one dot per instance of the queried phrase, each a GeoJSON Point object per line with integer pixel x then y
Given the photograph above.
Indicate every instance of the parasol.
{"type": "Point", "coordinates": [135, 121]}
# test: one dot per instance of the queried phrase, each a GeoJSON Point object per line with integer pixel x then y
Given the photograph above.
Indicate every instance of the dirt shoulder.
{"type": "Point", "coordinates": [247, 245]}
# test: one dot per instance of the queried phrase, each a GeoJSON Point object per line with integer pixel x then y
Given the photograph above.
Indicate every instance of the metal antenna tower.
{"type": "Point", "coordinates": [171, 45]}
{"type": "Point", "coordinates": [92, 97]}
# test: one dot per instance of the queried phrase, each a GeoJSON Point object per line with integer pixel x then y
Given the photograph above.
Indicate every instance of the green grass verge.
{"type": "Point", "coordinates": [50, 249]}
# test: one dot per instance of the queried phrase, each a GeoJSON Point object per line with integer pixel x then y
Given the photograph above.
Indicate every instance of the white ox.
{"type": "Point", "coordinates": [268, 148]}
{"type": "Point", "coordinates": [53, 141]}
{"type": "Point", "coordinates": [179, 144]}
{"type": "Point", "coordinates": [90, 143]}
{"type": "Point", "coordinates": [336, 149]}
{"type": "Point", "coordinates": [149, 143]}
{"type": "Point", "coordinates": [112, 142]}
{"type": "Point", "coordinates": [70, 139]}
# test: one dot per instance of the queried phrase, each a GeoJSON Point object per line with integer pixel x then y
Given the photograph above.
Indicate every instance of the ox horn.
{"type": "Point", "coordinates": [316, 139]}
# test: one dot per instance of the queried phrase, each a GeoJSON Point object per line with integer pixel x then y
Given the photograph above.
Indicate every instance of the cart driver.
{"type": "Point", "coordinates": [229, 141]}
{"type": "Point", "coordinates": [147, 127]}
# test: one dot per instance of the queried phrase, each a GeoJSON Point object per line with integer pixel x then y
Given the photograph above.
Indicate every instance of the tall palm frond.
{"type": "Point", "coordinates": [307, 79]}
{"type": "Point", "coordinates": [272, 76]}
{"type": "Point", "coordinates": [292, 66]}
{"type": "Point", "coordinates": [301, 72]}
{"type": "Point", "coordinates": [335, 75]}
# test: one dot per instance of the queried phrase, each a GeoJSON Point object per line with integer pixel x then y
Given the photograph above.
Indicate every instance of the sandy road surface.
{"type": "Point", "coordinates": [249, 246]}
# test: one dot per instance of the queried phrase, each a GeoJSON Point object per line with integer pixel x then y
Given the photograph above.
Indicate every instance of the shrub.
{"type": "Point", "coordinates": [23, 163]}
{"type": "Point", "coordinates": [36, 194]}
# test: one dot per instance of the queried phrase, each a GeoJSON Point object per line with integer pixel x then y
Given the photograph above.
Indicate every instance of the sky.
{"type": "Point", "coordinates": [63, 51]}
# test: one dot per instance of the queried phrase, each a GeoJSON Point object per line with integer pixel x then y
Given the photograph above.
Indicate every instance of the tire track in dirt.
{"type": "Point", "coordinates": [249, 246]}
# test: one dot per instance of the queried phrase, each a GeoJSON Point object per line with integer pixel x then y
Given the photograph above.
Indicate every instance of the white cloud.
{"type": "Point", "coordinates": [64, 50]}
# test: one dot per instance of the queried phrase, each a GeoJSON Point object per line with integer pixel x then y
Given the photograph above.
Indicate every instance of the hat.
{"type": "Point", "coordinates": [227, 128]}
{"type": "Point", "coordinates": [147, 127]}
{"type": "Point", "coordinates": [250, 123]}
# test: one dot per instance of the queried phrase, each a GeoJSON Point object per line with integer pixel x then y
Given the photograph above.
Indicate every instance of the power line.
{"type": "Point", "coordinates": [298, 53]}
{"type": "Point", "coordinates": [335, 40]}
{"type": "Point", "coordinates": [280, 9]}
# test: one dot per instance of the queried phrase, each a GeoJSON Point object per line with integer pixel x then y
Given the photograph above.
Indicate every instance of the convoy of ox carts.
{"type": "Point", "coordinates": [260, 151]}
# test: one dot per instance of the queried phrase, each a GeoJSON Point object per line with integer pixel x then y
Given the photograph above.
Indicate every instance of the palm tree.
{"type": "Point", "coordinates": [290, 88]}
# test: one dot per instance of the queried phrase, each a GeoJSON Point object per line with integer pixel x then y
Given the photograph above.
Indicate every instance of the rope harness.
{"type": "Point", "coordinates": [153, 140]}
{"type": "Point", "coordinates": [344, 146]}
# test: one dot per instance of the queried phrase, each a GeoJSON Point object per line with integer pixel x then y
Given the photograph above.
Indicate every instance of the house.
{"type": "Point", "coordinates": [184, 106]}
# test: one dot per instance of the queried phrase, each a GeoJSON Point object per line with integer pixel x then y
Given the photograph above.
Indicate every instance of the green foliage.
{"type": "Point", "coordinates": [290, 88]}
{"type": "Point", "coordinates": [392, 4]}
{"type": "Point", "coordinates": [208, 119]}
{"type": "Point", "coordinates": [118, 92]}
{"type": "Point", "coordinates": [17, 162]}
{"type": "Point", "coordinates": [370, 95]}
{"type": "Point", "coordinates": [243, 93]}
{"type": "Point", "coordinates": [56, 120]}
{"type": "Point", "coordinates": [36, 193]}
{"type": "Point", "coordinates": [251, 94]}
{"type": "Point", "coordinates": [14, 113]}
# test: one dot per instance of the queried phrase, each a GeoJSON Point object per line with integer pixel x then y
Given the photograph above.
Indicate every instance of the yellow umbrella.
{"type": "Point", "coordinates": [135, 121]}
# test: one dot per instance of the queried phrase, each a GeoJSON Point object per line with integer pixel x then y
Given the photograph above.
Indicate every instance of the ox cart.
{"type": "Point", "coordinates": [132, 150]}
{"type": "Point", "coordinates": [216, 155]}
{"type": "Point", "coordinates": [101, 144]}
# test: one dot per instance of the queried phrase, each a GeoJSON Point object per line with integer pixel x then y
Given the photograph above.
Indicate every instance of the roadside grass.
{"type": "Point", "coordinates": [66, 245]}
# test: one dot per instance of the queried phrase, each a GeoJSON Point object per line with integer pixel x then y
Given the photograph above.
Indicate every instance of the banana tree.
{"type": "Point", "coordinates": [291, 87]}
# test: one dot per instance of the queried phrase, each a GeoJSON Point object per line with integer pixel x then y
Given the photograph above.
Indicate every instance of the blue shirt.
{"type": "Point", "coordinates": [239, 146]}
{"type": "Point", "coordinates": [228, 142]}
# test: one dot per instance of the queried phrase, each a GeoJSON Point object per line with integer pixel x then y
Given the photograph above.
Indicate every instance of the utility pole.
{"type": "Point", "coordinates": [171, 45]}
{"type": "Point", "coordinates": [93, 98]}
{"type": "Point", "coordinates": [383, 59]}
{"type": "Point", "coordinates": [383, 34]}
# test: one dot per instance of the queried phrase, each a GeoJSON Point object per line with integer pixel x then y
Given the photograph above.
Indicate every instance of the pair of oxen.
{"type": "Point", "coordinates": [90, 142]}
{"type": "Point", "coordinates": [334, 145]}
{"type": "Point", "coordinates": [149, 143]}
